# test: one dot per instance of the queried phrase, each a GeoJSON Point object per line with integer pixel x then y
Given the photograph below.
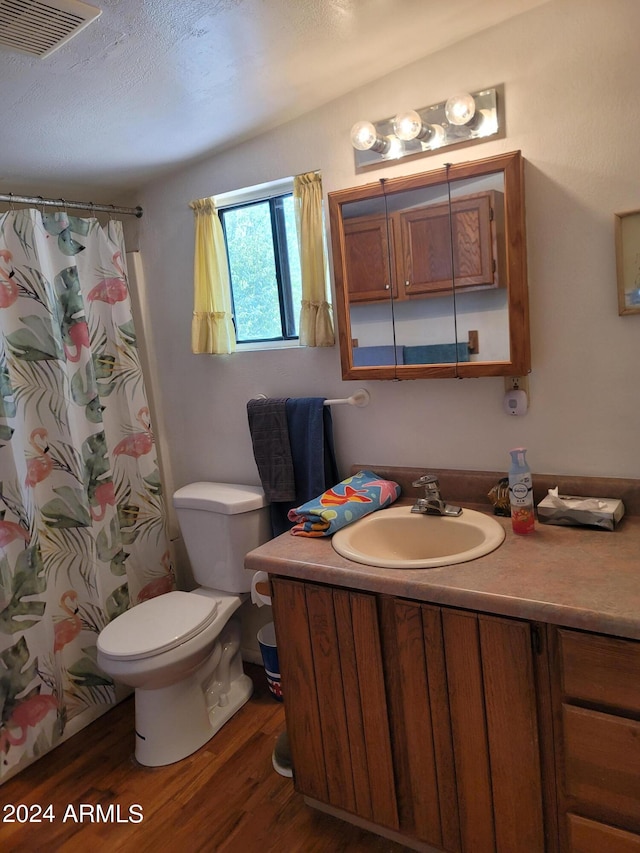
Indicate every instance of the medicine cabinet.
{"type": "Point", "coordinates": [431, 275]}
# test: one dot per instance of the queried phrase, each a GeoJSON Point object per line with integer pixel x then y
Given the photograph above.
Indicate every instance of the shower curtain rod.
{"type": "Point", "coordinates": [64, 204]}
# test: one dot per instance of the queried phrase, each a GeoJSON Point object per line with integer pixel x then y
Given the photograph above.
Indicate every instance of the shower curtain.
{"type": "Point", "coordinates": [82, 520]}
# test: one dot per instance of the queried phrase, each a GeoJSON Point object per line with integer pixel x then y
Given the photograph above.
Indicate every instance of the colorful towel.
{"type": "Point", "coordinates": [351, 499]}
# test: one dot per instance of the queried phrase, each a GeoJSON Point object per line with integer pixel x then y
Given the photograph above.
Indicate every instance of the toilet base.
{"type": "Point", "coordinates": [174, 721]}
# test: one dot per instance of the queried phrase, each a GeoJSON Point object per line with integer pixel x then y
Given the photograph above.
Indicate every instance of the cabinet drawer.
{"type": "Point", "coordinates": [600, 670]}
{"type": "Point", "coordinates": [588, 836]}
{"type": "Point", "coordinates": [602, 764]}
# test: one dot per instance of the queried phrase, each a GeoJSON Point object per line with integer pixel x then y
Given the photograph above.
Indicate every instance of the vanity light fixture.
{"type": "Point", "coordinates": [461, 119]}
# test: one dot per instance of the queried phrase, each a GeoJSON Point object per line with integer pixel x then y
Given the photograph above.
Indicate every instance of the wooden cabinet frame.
{"type": "Point", "coordinates": [508, 248]}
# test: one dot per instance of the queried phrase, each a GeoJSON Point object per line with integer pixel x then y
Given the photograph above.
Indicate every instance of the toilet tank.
{"type": "Point", "coordinates": [220, 524]}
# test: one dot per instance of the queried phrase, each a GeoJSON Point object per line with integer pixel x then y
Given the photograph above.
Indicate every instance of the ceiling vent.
{"type": "Point", "coordinates": [38, 28]}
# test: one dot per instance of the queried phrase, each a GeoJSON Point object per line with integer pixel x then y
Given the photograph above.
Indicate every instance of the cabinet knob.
{"type": "Point", "coordinates": [387, 286]}
{"type": "Point", "coordinates": [407, 284]}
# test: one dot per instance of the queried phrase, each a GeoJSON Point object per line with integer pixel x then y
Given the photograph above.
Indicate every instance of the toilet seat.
{"type": "Point", "coordinates": [157, 625]}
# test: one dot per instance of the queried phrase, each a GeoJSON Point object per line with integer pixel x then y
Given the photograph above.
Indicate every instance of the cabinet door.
{"type": "Point", "coordinates": [419, 712]}
{"type": "Point", "coordinates": [492, 698]}
{"type": "Point", "coordinates": [429, 238]}
{"type": "Point", "coordinates": [366, 257]}
{"type": "Point", "coordinates": [334, 697]}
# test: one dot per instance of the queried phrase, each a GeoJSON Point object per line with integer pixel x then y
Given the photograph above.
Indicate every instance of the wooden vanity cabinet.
{"type": "Point", "coordinates": [596, 693]}
{"type": "Point", "coordinates": [416, 718]}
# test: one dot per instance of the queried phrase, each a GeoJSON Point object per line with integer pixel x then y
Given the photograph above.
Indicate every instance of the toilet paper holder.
{"type": "Point", "coordinates": [261, 589]}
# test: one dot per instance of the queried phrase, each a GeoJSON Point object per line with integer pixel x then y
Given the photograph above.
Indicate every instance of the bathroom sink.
{"type": "Point", "coordinates": [396, 538]}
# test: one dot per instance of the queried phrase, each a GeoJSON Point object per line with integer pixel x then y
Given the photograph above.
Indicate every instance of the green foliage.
{"type": "Point", "coordinates": [28, 579]}
{"type": "Point", "coordinates": [118, 601]}
{"type": "Point", "coordinates": [68, 509]}
{"type": "Point", "coordinates": [15, 676]}
{"type": "Point", "coordinates": [252, 265]}
{"type": "Point", "coordinates": [35, 342]}
{"type": "Point", "coordinates": [85, 673]}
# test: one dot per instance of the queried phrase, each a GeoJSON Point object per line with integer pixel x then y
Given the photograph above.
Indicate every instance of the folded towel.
{"type": "Point", "coordinates": [271, 448]}
{"type": "Point", "coordinates": [436, 354]}
{"type": "Point", "coordinates": [349, 500]}
{"type": "Point", "coordinates": [384, 354]}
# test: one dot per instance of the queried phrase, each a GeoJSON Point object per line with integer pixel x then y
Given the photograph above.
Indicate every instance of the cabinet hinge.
{"type": "Point", "coordinates": [490, 214]}
{"type": "Point", "coordinates": [494, 264]}
{"type": "Point", "coordinates": [536, 640]}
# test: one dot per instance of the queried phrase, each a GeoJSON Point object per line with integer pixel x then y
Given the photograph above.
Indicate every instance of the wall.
{"type": "Point", "coordinates": [570, 71]}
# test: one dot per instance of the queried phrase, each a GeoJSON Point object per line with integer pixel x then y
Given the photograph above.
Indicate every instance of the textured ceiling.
{"type": "Point", "coordinates": [155, 83]}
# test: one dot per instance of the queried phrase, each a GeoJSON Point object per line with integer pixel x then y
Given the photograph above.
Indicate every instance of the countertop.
{"type": "Point", "coordinates": [571, 576]}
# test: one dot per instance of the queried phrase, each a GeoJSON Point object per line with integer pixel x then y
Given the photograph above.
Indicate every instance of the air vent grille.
{"type": "Point", "coordinates": [38, 28]}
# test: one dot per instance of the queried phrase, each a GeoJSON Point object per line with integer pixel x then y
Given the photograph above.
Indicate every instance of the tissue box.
{"type": "Point", "coordinates": [604, 513]}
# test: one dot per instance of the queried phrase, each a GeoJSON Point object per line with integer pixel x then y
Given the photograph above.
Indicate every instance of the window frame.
{"type": "Point", "coordinates": [273, 194]}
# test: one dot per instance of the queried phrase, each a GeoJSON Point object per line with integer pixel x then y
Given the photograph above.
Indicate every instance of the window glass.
{"type": "Point", "coordinates": [264, 268]}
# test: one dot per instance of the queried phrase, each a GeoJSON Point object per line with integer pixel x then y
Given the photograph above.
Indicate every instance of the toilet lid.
{"type": "Point", "coordinates": [157, 625]}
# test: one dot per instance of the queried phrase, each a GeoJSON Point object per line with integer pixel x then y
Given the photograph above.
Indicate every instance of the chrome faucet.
{"type": "Point", "coordinates": [432, 503]}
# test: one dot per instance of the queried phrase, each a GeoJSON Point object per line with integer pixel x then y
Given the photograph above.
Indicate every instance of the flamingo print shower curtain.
{"type": "Point", "coordinates": [82, 522]}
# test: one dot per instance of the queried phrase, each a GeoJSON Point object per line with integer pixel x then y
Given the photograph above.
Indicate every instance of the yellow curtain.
{"type": "Point", "coordinates": [212, 328]}
{"type": "Point", "coordinates": [316, 321]}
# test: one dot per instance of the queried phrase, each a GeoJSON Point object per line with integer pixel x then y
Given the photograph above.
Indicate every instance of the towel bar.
{"type": "Point", "coordinates": [360, 398]}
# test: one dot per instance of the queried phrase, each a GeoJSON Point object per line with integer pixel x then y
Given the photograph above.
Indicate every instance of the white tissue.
{"type": "Point", "coordinates": [566, 502]}
{"type": "Point", "coordinates": [257, 598]}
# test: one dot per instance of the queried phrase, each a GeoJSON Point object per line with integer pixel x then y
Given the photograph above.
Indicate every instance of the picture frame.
{"type": "Point", "coordinates": [627, 236]}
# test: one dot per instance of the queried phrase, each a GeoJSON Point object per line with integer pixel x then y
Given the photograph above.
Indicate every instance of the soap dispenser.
{"type": "Point", "coordinates": [521, 492]}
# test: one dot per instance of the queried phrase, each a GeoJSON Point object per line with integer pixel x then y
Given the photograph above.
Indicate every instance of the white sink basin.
{"type": "Point", "coordinates": [396, 538]}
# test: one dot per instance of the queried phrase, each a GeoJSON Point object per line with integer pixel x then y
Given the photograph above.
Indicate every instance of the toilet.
{"type": "Point", "coordinates": [181, 651]}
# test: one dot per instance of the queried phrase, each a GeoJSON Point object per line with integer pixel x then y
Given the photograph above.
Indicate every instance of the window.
{"type": "Point", "coordinates": [264, 264]}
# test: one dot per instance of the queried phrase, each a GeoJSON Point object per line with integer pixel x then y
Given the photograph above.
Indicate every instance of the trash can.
{"type": "Point", "coordinates": [269, 652]}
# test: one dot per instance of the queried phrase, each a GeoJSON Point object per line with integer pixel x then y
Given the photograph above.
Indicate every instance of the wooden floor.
{"type": "Point", "coordinates": [226, 797]}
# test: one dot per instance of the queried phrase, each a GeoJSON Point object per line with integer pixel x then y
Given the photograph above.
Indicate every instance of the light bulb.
{"type": "Point", "coordinates": [363, 135]}
{"type": "Point", "coordinates": [460, 109]}
{"type": "Point", "coordinates": [407, 125]}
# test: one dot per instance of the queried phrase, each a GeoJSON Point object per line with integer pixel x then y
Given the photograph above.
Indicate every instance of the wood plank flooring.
{"type": "Point", "coordinates": [225, 798]}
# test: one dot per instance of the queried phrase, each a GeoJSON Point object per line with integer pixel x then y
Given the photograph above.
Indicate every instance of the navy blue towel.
{"type": "Point", "coordinates": [313, 455]}
{"type": "Point", "coordinates": [312, 450]}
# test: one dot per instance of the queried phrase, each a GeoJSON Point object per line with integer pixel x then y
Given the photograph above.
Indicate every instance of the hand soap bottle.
{"type": "Point", "coordinates": [521, 492]}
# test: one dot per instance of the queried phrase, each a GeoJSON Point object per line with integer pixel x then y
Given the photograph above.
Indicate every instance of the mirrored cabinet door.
{"type": "Point", "coordinates": [368, 262]}
{"type": "Point", "coordinates": [430, 273]}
